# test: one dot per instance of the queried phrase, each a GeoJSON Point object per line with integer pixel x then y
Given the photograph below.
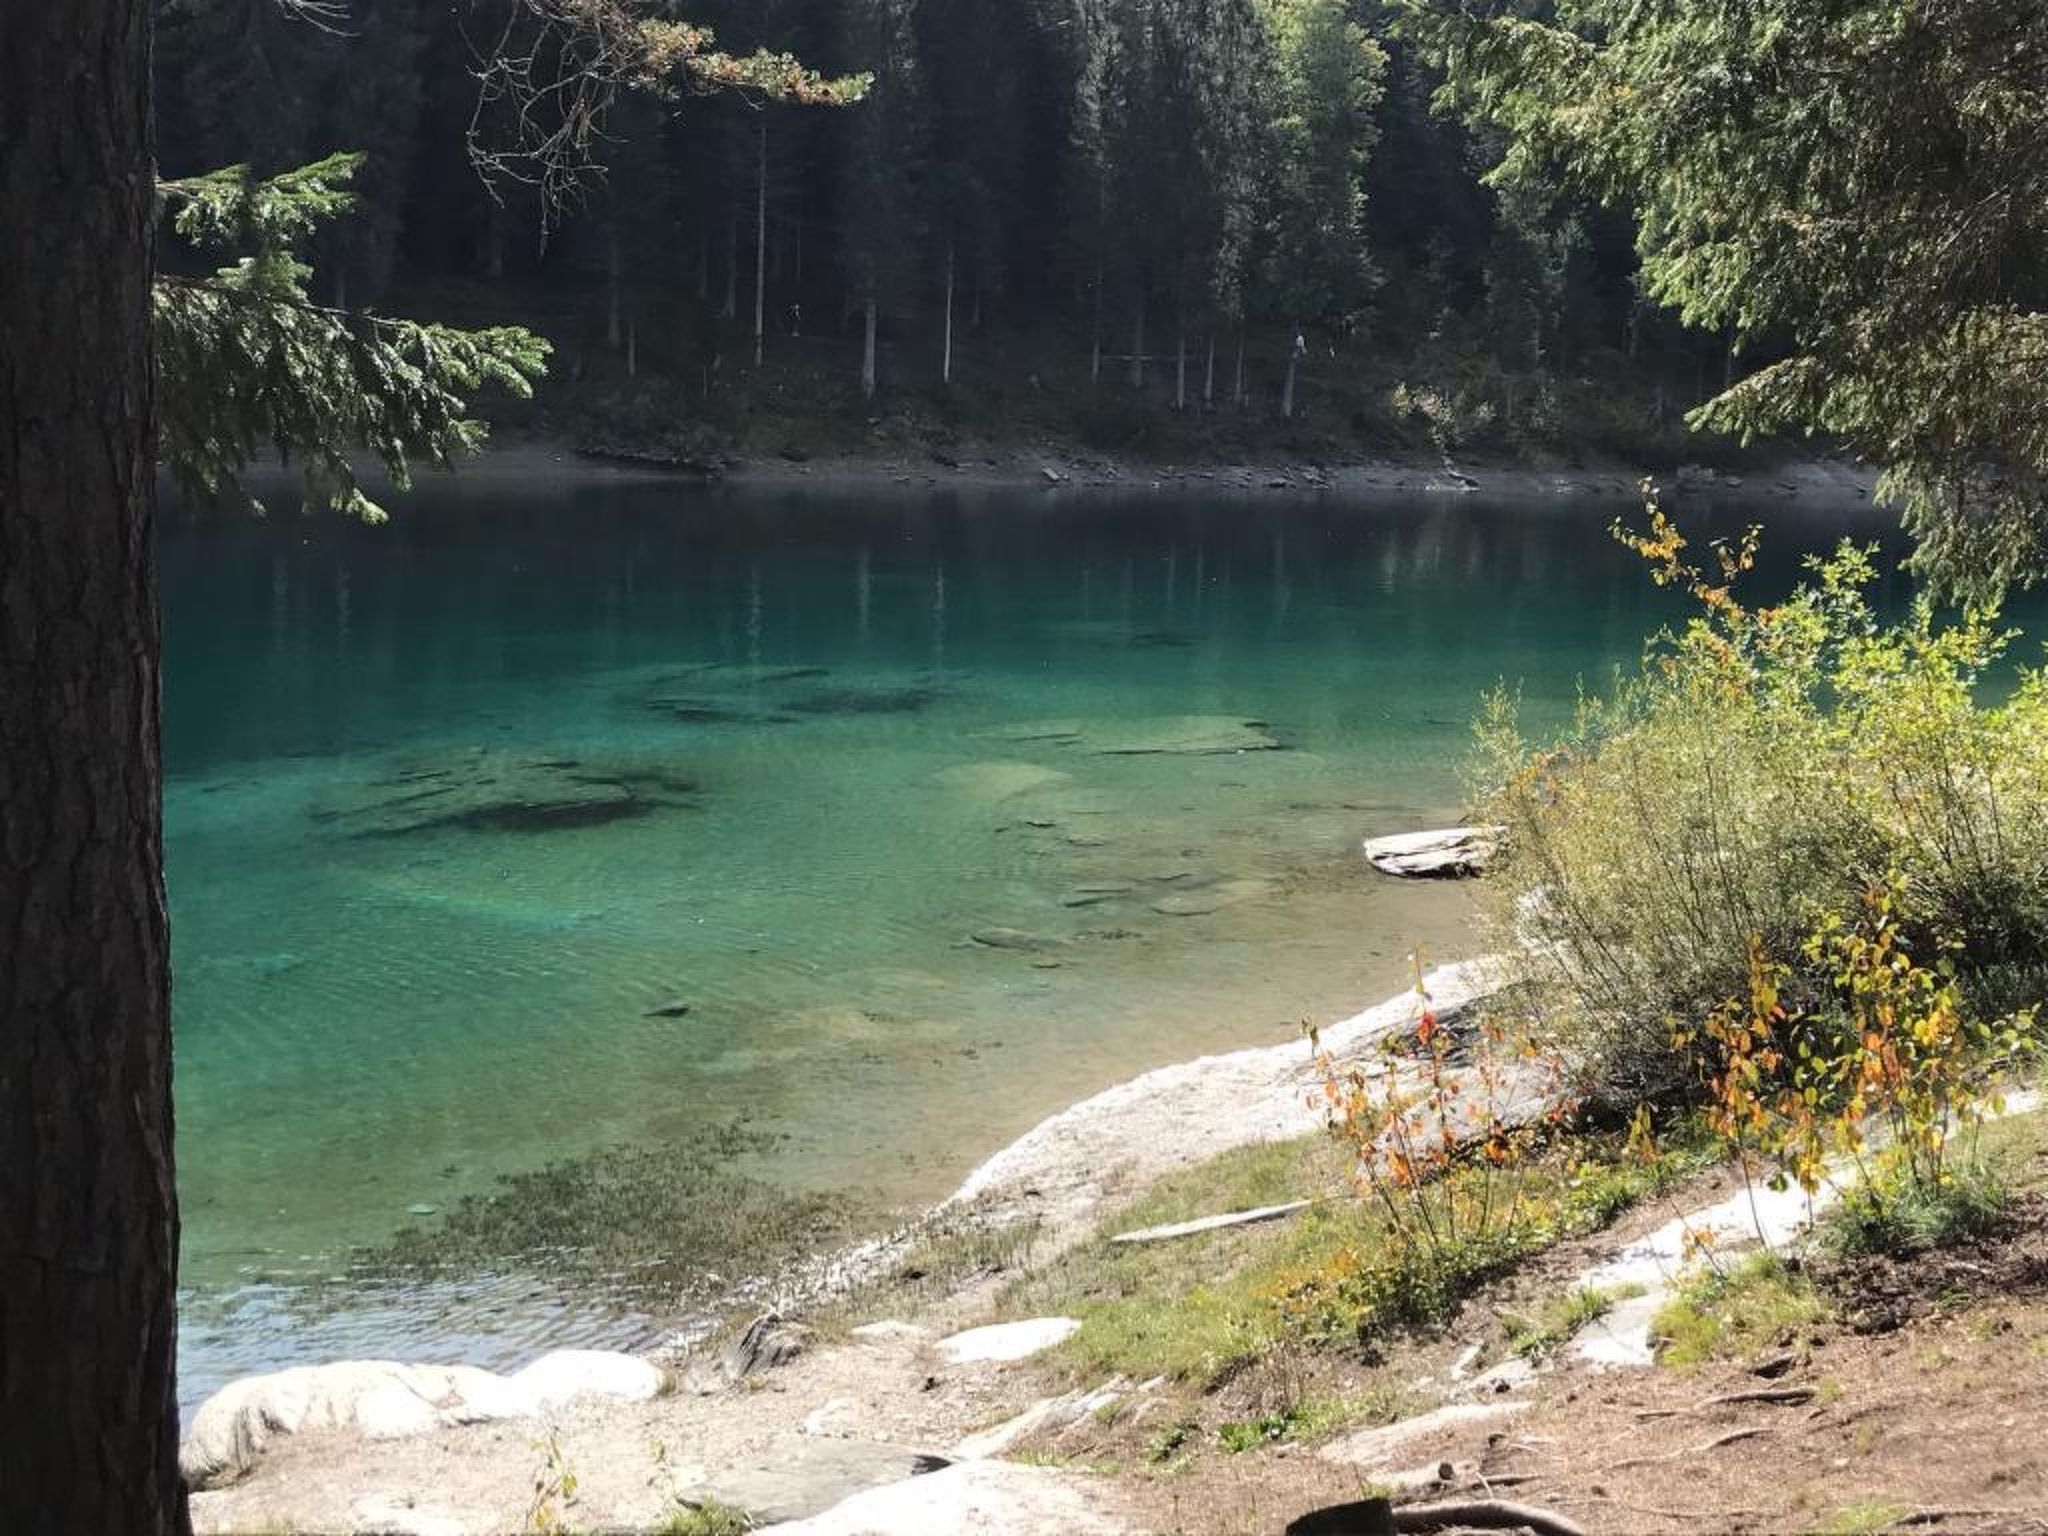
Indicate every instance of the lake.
{"type": "Point", "coordinates": [554, 819]}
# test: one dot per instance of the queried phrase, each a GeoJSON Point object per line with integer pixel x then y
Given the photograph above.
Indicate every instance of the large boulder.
{"type": "Point", "coordinates": [385, 1400]}
{"type": "Point", "coordinates": [1448, 853]}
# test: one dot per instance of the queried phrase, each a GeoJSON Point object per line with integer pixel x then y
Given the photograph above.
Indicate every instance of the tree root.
{"type": "Point", "coordinates": [1714, 1444]}
{"type": "Point", "coordinates": [1484, 1515]}
{"type": "Point", "coordinates": [1783, 1397]}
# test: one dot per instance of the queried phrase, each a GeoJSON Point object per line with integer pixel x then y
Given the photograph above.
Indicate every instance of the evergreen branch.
{"type": "Point", "coordinates": [248, 361]}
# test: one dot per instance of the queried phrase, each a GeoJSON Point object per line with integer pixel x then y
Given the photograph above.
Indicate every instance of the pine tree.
{"type": "Point", "coordinates": [1863, 181]}
{"type": "Point", "coordinates": [1329, 76]}
{"type": "Point", "coordinates": [882, 152]}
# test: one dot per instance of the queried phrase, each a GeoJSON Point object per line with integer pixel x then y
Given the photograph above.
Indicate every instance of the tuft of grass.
{"type": "Point", "coordinates": [709, 1518]}
{"type": "Point", "coordinates": [1172, 1440]}
{"type": "Point", "coordinates": [1315, 1417]}
{"type": "Point", "coordinates": [1863, 1518]}
{"type": "Point", "coordinates": [1909, 1216]}
{"type": "Point", "coordinates": [1562, 1319]}
{"type": "Point", "coordinates": [1733, 1313]}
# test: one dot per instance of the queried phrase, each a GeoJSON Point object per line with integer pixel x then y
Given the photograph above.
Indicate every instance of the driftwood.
{"type": "Point", "coordinates": [1213, 1223]}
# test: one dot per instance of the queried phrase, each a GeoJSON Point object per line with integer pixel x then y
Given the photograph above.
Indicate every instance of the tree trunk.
{"type": "Point", "coordinates": [731, 307]}
{"type": "Point", "coordinates": [867, 351]}
{"type": "Point", "coordinates": [632, 349]}
{"type": "Point", "coordinates": [614, 262]}
{"type": "Point", "coordinates": [1209, 376]}
{"type": "Point", "coordinates": [1237, 391]}
{"type": "Point", "coordinates": [88, 1205]}
{"type": "Point", "coordinates": [1138, 347]}
{"type": "Point", "coordinates": [946, 366]}
{"type": "Point", "coordinates": [1287, 389]}
{"type": "Point", "coordinates": [494, 240]}
{"type": "Point", "coordinates": [761, 241]}
{"type": "Point", "coordinates": [1095, 333]}
{"type": "Point", "coordinates": [703, 266]}
{"type": "Point", "coordinates": [1180, 372]}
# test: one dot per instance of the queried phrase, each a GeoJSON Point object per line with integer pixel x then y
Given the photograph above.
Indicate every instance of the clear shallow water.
{"type": "Point", "coordinates": [795, 750]}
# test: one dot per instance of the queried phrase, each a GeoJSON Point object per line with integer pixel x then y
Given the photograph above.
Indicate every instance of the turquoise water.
{"type": "Point", "coordinates": [555, 818]}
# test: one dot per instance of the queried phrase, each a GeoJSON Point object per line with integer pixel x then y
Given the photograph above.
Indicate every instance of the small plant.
{"type": "Point", "coordinates": [1171, 1440]}
{"type": "Point", "coordinates": [1534, 1338]}
{"type": "Point", "coordinates": [1864, 1519]}
{"type": "Point", "coordinates": [1883, 1074]}
{"type": "Point", "coordinates": [1266, 1429]}
{"type": "Point", "coordinates": [709, 1518]}
{"type": "Point", "coordinates": [1407, 1120]}
{"type": "Point", "coordinates": [1733, 1312]}
{"type": "Point", "coordinates": [554, 1491]}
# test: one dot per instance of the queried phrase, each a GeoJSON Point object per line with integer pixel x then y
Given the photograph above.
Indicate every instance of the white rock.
{"type": "Point", "coordinates": [571, 1373]}
{"type": "Point", "coordinates": [1051, 1413]}
{"type": "Point", "coordinates": [1374, 1447]}
{"type": "Point", "coordinates": [971, 1498]}
{"type": "Point", "coordinates": [1444, 854]}
{"type": "Point", "coordinates": [402, 1517]}
{"type": "Point", "coordinates": [832, 1418]}
{"type": "Point", "coordinates": [385, 1400]}
{"type": "Point", "coordinates": [1007, 1341]}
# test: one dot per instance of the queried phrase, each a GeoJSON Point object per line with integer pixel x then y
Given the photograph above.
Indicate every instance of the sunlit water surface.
{"type": "Point", "coordinates": [791, 752]}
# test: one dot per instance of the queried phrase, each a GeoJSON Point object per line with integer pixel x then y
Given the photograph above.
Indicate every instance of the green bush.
{"type": "Point", "coordinates": [1761, 771]}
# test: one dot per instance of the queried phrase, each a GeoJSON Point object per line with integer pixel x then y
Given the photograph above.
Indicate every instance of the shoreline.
{"type": "Point", "coordinates": [307, 1435]}
{"type": "Point", "coordinates": [1809, 482]}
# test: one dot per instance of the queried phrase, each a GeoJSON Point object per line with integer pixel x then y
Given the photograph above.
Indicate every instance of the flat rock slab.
{"type": "Point", "coordinates": [1372, 1448]}
{"type": "Point", "coordinates": [1007, 1341]}
{"type": "Point", "coordinates": [1146, 736]}
{"type": "Point", "coordinates": [1213, 1223]}
{"type": "Point", "coordinates": [1202, 900]}
{"type": "Point", "coordinates": [973, 1498]}
{"type": "Point", "coordinates": [1045, 1416]}
{"type": "Point", "coordinates": [1448, 853]}
{"type": "Point", "coordinates": [792, 1477]}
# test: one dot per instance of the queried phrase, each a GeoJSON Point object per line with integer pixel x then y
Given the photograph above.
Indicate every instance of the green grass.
{"type": "Point", "coordinates": [1204, 1308]}
{"type": "Point", "coordinates": [710, 1518]}
{"type": "Point", "coordinates": [1561, 1319]}
{"type": "Point", "coordinates": [1734, 1314]}
{"type": "Point", "coordinates": [1863, 1519]}
{"type": "Point", "coordinates": [1314, 1418]}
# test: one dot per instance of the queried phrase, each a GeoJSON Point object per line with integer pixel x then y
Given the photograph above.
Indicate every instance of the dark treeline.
{"type": "Point", "coordinates": [1135, 207]}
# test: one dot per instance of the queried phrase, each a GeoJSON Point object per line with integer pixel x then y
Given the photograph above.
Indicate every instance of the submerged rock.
{"type": "Point", "coordinates": [913, 699]}
{"type": "Point", "coordinates": [1448, 853]}
{"type": "Point", "coordinates": [998, 780]}
{"type": "Point", "coordinates": [1202, 900]}
{"type": "Point", "coordinates": [489, 790]}
{"type": "Point", "coordinates": [1164, 735]}
{"type": "Point", "coordinates": [1015, 938]}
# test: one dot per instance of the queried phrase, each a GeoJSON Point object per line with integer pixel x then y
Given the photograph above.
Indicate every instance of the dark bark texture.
{"type": "Point", "coordinates": [88, 1213]}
